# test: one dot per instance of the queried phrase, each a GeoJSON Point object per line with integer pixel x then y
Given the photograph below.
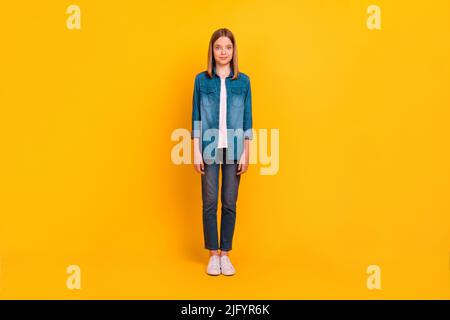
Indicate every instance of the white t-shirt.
{"type": "Point", "coordinates": [223, 116]}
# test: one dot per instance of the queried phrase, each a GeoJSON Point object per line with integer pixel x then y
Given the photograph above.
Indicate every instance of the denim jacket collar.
{"type": "Point", "coordinates": [229, 76]}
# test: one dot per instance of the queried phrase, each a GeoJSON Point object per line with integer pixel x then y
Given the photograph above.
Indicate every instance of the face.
{"type": "Point", "coordinates": [223, 50]}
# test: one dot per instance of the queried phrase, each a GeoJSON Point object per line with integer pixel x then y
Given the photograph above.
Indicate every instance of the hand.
{"type": "Point", "coordinates": [198, 162]}
{"type": "Point", "coordinates": [243, 162]}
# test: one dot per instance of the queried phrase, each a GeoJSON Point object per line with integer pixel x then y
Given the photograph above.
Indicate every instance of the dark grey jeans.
{"type": "Point", "coordinates": [229, 194]}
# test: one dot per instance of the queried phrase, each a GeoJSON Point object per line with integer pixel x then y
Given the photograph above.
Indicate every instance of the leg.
{"type": "Point", "coordinates": [229, 194]}
{"type": "Point", "coordinates": [210, 186]}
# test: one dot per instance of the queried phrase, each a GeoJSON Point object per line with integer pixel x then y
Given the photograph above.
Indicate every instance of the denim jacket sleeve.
{"type": "Point", "coordinates": [195, 133]}
{"type": "Point", "coordinates": [248, 121]}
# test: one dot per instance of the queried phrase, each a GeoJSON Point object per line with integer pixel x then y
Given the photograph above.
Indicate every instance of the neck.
{"type": "Point", "coordinates": [223, 70]}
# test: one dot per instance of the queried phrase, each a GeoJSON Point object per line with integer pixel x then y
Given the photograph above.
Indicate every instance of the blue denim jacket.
{"type": "Point", "coordinates": [205, 114]}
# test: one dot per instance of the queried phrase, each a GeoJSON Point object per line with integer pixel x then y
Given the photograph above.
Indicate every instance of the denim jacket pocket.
{"type": "Point", "coordinates": [207, 89]}
{"type": "Point", "coordinates": [236, 90]}
{"type": "Point", "coordinates": [237, 97]}
{"type": "Point", "coordinates": [207, 94]}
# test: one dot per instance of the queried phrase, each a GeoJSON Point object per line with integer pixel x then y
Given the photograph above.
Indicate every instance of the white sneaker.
{"type": "Point", "coordinates": [226, 266]}
{"type": "Point", "coordinates": [213, 265]}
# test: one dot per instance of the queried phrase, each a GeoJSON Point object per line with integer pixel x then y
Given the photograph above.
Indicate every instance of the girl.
{"type": "Point", "coordinates": [221, 130]}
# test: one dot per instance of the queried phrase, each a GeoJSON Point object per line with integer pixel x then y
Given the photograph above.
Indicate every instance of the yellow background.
{"type": "Point", "coordinates": [86, 175]}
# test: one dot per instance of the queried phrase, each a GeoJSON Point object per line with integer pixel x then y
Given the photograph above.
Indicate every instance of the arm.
{"type": "Point", "coordinates": [196, 129]}
{"type": "Point", "coordinates": [248, 119]}
{"type": "Point", "coordinates": [248, 134]}
{"type": "Point", "coordinates": [195, 133]}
